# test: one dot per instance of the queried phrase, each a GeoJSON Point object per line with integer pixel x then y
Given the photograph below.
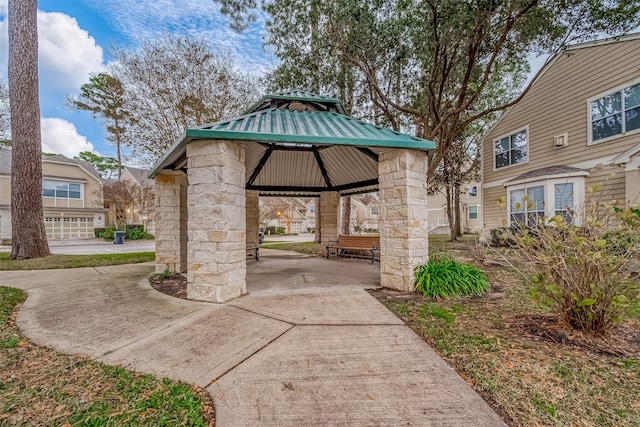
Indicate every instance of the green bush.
{"type": "Point", "coordinates": [108, 233]}
{"type": "Point", "coordinates": [445, 278]}
{"type": "Point", "coordinates": [583, 272]}
{"type": "Point", "coordinates": [98, 232]}
{"type": "Point", "coordinates": [137, 233]}
{"type": "Point", "coordinates": [133, 233]}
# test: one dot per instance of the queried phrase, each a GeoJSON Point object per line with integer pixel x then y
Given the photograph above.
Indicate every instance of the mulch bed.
{"type": "Point", "coordinates": [621, 342]}
{"type": "Point", "coordinates": [175, 285]}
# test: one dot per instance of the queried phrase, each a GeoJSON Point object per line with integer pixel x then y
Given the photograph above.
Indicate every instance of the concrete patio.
{"type": "Point", "coordinates": [307, 346]}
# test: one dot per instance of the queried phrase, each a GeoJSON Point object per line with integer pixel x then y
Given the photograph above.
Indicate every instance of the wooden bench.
{"type": "Point", "coordinates": [252, 250]}
{"type": "Point", "coordinates": [362, 246]}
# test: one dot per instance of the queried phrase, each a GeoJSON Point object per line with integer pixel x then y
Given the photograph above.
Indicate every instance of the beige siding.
{"type": "Point", "coordinates": [632, 179]}
{"type": "Point", "coordinates": [5, 190]}
{"type": "Point", "coordinates": [92, 188]}
{"type": "Point", "coordinates": [493, 214]}
{"type": "Point", "coordinates": [126, 175]}
{"type": "Point", "coordinates": [611, 181]}
{"type": "Point", "coordinates": [64, 218]}
{"type": "Point", "coordinates": [557, 103]}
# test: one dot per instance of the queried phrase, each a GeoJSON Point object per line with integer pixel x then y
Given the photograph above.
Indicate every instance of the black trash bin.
{"type": "Point", "coordinates": [118, 237]}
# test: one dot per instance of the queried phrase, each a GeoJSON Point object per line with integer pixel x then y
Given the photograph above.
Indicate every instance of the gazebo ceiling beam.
{"type": "Point", "coordinates": [277, 147]}
{"type": "Point", "coordinates": [368, 152]}
{"type": "Point", "coordinates": [285, 189]}
{"type": "Point", "coordinates": [259, 167]}
{"type": "Point", "coordinates": [323, 169]}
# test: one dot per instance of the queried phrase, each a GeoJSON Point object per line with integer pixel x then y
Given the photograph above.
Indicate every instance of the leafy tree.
{"type": "Point", "coordinates": [29, 238]}
{"type": "Point", "coordinates": [123, 197]}
{"type": "Point", "coordinates": [433, 68]}
{"type": "Point", "coordinates": [104, 97]}
{"type": "Point", "coordinates": [175, 82]}
{"type": "Point", "coordinates": [104, 165]}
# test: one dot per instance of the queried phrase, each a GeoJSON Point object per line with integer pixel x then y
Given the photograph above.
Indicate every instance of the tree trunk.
{"type": "Point", "coordinates": [346, 215]}
{"type": "Point", "coordinates": [456, 206]}
{"type": "Point", "coordinates": [318, 238]}
{"type": "Point", "coordinates": [118, 143]}
{"type": "Point", "coordinates": [29, 238]}
{"type": "Point", "coordinates": [450, 215]}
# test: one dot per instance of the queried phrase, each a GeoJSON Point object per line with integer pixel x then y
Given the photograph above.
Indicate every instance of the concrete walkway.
{"type": "Point", "coordinates": [281, 356]}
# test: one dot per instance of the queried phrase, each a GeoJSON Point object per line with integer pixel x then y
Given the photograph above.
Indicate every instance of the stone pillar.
{"type": "Point", "coordinates": [253, 216]}
{"type": "Point", "coordinates": [329, 212]}
{"type": "Point", "coordinates": [404, 240]}
{"type": "Point", "coordinates": [171, 221]}
{"type": "Point", "coordinates": [217, 221]}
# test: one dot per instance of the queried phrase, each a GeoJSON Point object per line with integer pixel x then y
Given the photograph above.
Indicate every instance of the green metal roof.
{"type": "Point", "coordinates": [299, 95]}
{"type": "Point", "coordinates": [307, 127]}
{"type": "Point", "coordinates": [300, 147]}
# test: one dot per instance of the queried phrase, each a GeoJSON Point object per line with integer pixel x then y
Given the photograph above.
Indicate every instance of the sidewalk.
{"type": "Point", "coordinates": [327, 356]}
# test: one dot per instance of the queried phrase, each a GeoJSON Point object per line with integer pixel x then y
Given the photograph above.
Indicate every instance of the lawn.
{"type": "Point", "coordinates": [41, 387]}
{"type": "Point", "coordinates": [73, 261]}
{"type": "Point", "coordinates": [309, 248]}
{"type": "Point", "coordinates": [514, 354]}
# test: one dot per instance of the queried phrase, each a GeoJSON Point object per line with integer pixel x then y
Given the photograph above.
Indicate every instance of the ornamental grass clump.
{"type": "Point", "coordinates": [445, 278]}
{"type": "Point", "coordinates": [585, 264]}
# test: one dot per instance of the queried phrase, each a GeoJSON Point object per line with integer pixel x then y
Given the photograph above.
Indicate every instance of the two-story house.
{"type": "Point", "coordinates": [71, 197]}
{"type": "Point", "coordinates": [578, 125]}
{"type": "Point", "coordinates": [143, 208]}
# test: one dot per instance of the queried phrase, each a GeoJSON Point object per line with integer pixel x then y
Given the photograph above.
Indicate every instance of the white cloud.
{"type": "Point", "coordinates": [67, 53]}
{"type": "Point", "coordinates": [61, 137]}
{"type": "Point", "coordinates": [141, 20]}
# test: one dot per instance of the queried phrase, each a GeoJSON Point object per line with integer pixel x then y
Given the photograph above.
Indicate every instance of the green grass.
{"type": "Point", "coordinates": [41, 387]}
{"type": "Point", "coordinates": [531, 383]}
{"type": "Point", "coordinates": [73, 261]}
{"type": "Point", "coordinates": [309, 248]}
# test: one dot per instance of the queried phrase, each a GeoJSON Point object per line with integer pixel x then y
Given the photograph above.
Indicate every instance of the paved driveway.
{"type": "Point", "coordinates": [94, 246]}
{"type": "Point", "coordinates": [325, 355]}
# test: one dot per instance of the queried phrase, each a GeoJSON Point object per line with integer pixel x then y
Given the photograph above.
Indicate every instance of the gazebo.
{"type": "Point", "coordinates": [288, 144]}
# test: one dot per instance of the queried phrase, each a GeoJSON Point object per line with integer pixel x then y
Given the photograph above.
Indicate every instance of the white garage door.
{"type": "Point", "coordinates": [69, 228]}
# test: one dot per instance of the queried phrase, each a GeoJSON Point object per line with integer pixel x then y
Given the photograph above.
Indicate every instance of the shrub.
{"type": "Point", "coordinates": [98, 232]}
{"type": "Point", "coordinates": [581, 272]}
{"type": "Point", "coordinates": [445, 278]}
{"type": "Point", "coordinates": [137, 233]}
{"type": "Point", "coordinates": [107, 234]}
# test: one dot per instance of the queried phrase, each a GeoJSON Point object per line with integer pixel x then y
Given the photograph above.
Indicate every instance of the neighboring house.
{"type": "Point", "coordinates": [470, 211]}
{"type": "Point", "coordinates": [142, 212]}
{"type": "Point", "coordinates": [71, 196]}
{"type": "Point", "coordinates": [365, 212]}
{"type": "Point", "coordinates": [296, 215]}
{"type": "Point", "coordinates": [578, 125]}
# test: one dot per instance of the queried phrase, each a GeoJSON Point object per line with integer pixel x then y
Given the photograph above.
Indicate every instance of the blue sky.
{"type": "Point", "coordinates": [75, 37]}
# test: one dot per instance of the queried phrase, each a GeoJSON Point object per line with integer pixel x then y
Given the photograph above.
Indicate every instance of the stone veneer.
{"type": "Point", "coordinates": [217, 221]}
{"type": "Point", "coordinates": [253, 216]}
{"type": "Point", "coordinates": [171, 221]}
{"type": "Point", "coordinates": [329, 208]}
{"type": "Point", "coordinates": [403, 216]}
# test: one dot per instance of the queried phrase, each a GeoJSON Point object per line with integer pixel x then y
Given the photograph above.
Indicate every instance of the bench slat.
{"type": "Point", "coordinates": [356, 243]}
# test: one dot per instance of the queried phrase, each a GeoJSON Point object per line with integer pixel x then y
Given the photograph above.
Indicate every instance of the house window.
{"type": "Point", "coordinates": [374, 211]}
{"type": "Point", "coordinates": [529, 203]}
{"type": "Point", "coordinates": [61, 190]}
{"type": "Point", "coordinates": [511, 149]}
{"type": "Point", "coordinates": [473, 212]}
{"type": "Point", "coordinates": [473, 191]}
{"type": "Point", "coordinates": [527, 210]}
{"type": "Point", "coordinates": [615, 113]}
{"type": "Point", "coordinates": [563, 195]}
